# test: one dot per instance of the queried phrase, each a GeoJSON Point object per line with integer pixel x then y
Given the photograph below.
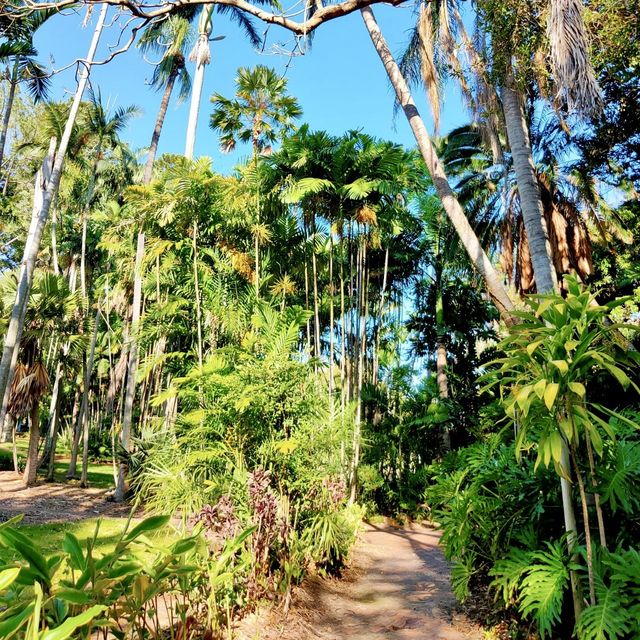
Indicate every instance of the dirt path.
{"type": "Point", "coordinates": [397, 589]}
{"type": "Point", "coordinates": [54, 502]}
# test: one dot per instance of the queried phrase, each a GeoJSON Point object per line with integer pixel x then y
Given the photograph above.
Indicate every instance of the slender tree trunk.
{"type": "Point", "coordinates": [316, 307]}
{"type": "Point", "coordinates": [197, 293]}
{"type": "Point", "coordinates": [361, 341]}
{"type": "Point", "coordinates": [202, 58]}
{"type": "Point", "coordinates": [6, 116]}
{"type": "Point", "coordinates": [132, 368]}
{"type": "Point", "coordinates": [54, 241]}
{"type": "Point", "coordinates": [30, 471]}
{"type": "Point", "coordinates": [331, 321]}
{"type": "Point", "coordinates": [54, 419]}
{"type": "Point", "coordinates": [157, 130]}
{"type": "Point", "coordinates": [530, 202]}
{"type": "Point", "coordinates": [84, 408]}
{"type": "Point", "coordinates": [53, 408]}
{"type": "Point", "coordinates": [452, 207]}
{"type": "Point", "coordinates": [77, 431]}
{"type": "Point", "coordinates": [16, 322]}
{"type": "Point", "coordinates": [378, 320]}
{"type": "Point", "coordinates": [545, 275]}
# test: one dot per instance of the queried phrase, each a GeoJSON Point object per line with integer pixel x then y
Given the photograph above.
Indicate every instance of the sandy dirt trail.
{"type": "Point", "coordinates": [398, 588]}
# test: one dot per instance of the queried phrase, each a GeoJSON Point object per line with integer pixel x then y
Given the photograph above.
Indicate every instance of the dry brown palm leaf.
{"type": "Point", "coordinates": [28, 388]}
{"type": "Point", "coordinates": [427, 62]}
{"type": "Point", "coordinates": [570, 62]}
{"type": "Point", "coordinates": [524, 280]}
{"type": "Point", "coordinates": [366, 215]}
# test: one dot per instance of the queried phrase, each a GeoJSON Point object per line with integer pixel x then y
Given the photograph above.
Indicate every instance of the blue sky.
{"type": "Point", "coordinates": [340, 83]}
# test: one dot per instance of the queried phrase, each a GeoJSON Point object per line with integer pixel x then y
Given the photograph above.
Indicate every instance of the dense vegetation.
{"type": "Point", "coordinates": [340, 328]}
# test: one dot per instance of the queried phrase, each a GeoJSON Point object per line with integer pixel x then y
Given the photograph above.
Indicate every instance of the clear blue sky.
{"type": "Point", "coordinates": [340, 83]}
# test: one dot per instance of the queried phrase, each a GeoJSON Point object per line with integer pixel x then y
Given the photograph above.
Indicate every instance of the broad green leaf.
{"type": "Point", "coordinates": [618, 374]}
{"type": "Point", "coordinates": [550, 394]}
{"type": "Point", "coordinates": [149, 524]}
{"type": "Point", "coordinates": [10, 626]}
{"type": "Point", "coordinates": [74, 596]}
{"type": "Point", "coordinates": [66, 629]}
{"type": "Point", "coordinates": [71, 545]}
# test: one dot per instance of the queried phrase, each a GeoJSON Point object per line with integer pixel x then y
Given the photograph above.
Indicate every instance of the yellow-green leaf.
{"type": "Point", "coordinates": [578, 388]}
{"type": "Point", "coordinates": [7, 577]}
{"type": "Point", "coordinates": [533, 346]}
{"type": "Point", "coordinates": [561, 365]}
{"type": "Point", "coordinates": [539, 388]}
{"type": "Point", "coordinates": [550, 394]}
{"type": "Point", "coordinates": [555, 445]}
{"type": "Point", "coordinates": [570, 345]}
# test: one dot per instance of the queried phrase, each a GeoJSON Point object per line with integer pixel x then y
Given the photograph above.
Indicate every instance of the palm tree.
{"type": "Point", "coordinates": [43, 199]}
{"type": "Point", "coordinates": [169, 38]}
{"type": "Point", "coordinates": [452, 207]}
{"type": "Point", "coordinates": [261, 113]}
{"type": "Point", "coordinates": [201, 55]}
{"type": "Point", "coordinates": [19, 51]}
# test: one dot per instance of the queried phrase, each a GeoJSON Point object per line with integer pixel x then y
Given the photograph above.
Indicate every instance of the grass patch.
{"type": "Point", "coordinates": [99, 474]}
{"type": "Point", "coordinates": [49, 536]}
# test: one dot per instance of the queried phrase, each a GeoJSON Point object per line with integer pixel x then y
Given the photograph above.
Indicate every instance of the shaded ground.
{"type": "Point", "coordinates": [54, 502]}
{"type": "Point", "coordinates": [397, 588]}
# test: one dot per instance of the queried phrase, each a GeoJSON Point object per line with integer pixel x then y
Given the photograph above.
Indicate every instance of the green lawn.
{"type": "Point", "coordinates": [99, 474]}
{"type": "Point", "coordinates": [49, 536]}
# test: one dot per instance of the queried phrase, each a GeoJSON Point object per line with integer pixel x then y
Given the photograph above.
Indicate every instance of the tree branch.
{"type": "Point", "coordinates": [149, 11]}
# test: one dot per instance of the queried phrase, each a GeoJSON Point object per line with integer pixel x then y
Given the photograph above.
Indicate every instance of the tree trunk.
{"type": "Point", "coordinates": [530, 202]}
{"type": "Point", "coordinates": [545, 275]}
{"type": "Point", "coordinates": [197, 293]}
{"type": "Point", "coordinates": [452, 207]}
{"type": "Point", "coordinates": [316, 305]}
{"type": "Point", "coordinates": [132, 368]}
{"type": "Point", "coordinates": [331, 321]}
{"type": "Point", "coordinates": [198, 80]}
{"type": "Point", "coordinates": [30, 471]}
{"type": "Point", "coordinates": [84, 407]}
{"type": "Point", "coordinates": [13, 84]}
{"type": "Point", "coordinates": [353, 480]}
{"type": "Point", "coordinates": [51, 184]}
{"type": "Point", "coordinates": [157, 130]}
{"type": "Point", "coordinates": [76, 425]}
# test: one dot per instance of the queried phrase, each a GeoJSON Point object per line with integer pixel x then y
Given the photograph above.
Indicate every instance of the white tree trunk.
{"type": "Point", "coordinates": [16, 323]}
{"type": "Point", "coordinates": [530, 202]}
{"type": "Point", "coordinates": [452, 207]}
{"type": "Point", "coordinates": [200, 55]}
{"type": "Point", "coordinates": [84, 408]}
{"type": "Point", "coordinates": [132, 368]}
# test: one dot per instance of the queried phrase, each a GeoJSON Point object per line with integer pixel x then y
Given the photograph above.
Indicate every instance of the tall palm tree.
{"type": "Point", "coordinates": [170, 39]}
{"type": "Point", "coordinates": [452, 207]}
{"type": "Point", "coordinates": [45, 193]}
{"type": "Point", "coordinates": [201, 56]}
{"type": "Point", "coordinates": [19, 52]}
{"type": "Point", "coordinates": [103, 129]}
{"type": "Point", "coordinates": [261, 113]}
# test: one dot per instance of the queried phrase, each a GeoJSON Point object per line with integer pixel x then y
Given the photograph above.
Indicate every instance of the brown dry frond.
{"type": "Point", "coordinates": [572, 69]}
{"type": "Point", "coordinates": [28, 386]}
{"type": "Point", "coordinates": [427, 62]}
{"type": "Point", "coordinates": [366, 215]}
